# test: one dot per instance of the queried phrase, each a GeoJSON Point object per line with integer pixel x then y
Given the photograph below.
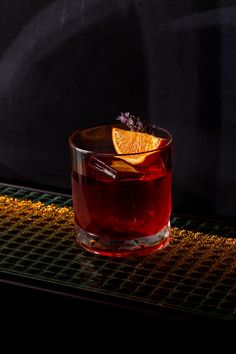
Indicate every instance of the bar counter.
{"type": "Point", "coordinates": [191, 282]}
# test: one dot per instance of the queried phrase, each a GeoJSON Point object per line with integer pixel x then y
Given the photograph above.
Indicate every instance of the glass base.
{"type": "Point", "coordinates": [121, 248]}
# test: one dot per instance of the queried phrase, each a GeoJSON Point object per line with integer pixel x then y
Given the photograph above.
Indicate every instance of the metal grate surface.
{"type": "Point", "coordinates": [195, 276]}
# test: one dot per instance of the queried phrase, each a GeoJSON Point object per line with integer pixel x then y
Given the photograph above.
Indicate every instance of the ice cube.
{"type": "Point", "coordinates": [125, 170]}
{"type": "Point", "coordinates": [118, 169]}
{"type": "Point", "coordinates": [102, 167]}
{"type": "Point", "coordinates": [122, 166]}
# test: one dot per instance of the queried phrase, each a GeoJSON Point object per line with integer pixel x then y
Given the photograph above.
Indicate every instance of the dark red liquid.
{"type": "Point", "coordinates": [123, 203]}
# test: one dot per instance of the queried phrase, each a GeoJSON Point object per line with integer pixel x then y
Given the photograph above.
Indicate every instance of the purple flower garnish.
{"type": "Point", "coordinates": [127, 119]}
{"type": "Point", "coordinates": [124, 117]}
{"type": "Point", "coordinates": [135, 124]}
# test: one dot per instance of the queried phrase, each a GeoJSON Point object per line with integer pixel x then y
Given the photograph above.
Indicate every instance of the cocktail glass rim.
{"type": "Point", "coordinates": [76, 132]}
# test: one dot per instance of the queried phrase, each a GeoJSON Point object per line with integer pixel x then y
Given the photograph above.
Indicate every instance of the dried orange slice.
{"type": "Point", "coordinates": [130, 142]}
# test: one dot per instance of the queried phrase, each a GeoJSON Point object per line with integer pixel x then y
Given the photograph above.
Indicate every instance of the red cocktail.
{"type": "Point", "coordinates": [122, 202]}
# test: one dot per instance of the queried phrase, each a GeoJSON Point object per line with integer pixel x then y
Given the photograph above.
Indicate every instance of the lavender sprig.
{"type": "Point", "coordinates": [132, 122]}
{"type": "Point", "coordinates": [135, 124]}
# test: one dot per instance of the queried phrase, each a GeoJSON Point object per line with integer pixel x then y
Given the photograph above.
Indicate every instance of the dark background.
{"type": "Point", "coordinates": [69, 64]}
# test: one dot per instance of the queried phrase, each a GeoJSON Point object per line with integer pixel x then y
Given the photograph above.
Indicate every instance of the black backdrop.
{"type": "Point", "coordinates": [69, 64]}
